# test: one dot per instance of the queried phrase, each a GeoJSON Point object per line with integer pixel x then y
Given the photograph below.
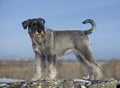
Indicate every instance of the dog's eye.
{"type": "Point", "coordinates": [34, 24]}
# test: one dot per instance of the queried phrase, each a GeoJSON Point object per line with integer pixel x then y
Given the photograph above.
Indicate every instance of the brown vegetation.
{"type": "Point", "coordinates": [24, 69]}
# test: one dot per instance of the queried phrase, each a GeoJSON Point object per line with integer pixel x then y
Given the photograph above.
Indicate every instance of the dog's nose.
{"type": "Point", "coordinates": [39, 31]}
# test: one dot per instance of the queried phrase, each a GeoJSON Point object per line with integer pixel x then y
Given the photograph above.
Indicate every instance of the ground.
{"type": "Point", "coordinates": [61, 83]}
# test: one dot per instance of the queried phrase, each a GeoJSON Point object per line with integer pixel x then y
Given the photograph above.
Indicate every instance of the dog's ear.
{"type": "Point", "coordinates": [42, 20]}
{"type": "Point", "coordinates": [25, 23]}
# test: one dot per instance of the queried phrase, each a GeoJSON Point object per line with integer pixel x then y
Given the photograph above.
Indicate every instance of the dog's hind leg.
{"type": "Point", "coordinates": [97, 70]}
{"type": "Point", "coordinates": [92, 68]}
{"type": "Point", "coordinates": [88, 69]}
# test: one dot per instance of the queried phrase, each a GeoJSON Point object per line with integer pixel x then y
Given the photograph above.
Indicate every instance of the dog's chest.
{"type": "Point", "coordinates": [44, 43]}
{"type": "Point", "coordinates": [39, 47]}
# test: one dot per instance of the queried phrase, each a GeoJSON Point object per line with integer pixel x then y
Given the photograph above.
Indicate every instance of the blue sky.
{"type": "Point", "coordinates": [60, 15]}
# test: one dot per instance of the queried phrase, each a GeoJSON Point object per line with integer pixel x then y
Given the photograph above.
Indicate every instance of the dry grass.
{"type": "Point", "coordinates": [112, 68]}
{"type": "Point", "coordinates": [16, 69]}
{"type": "Point", "coordinates": [24, 69]}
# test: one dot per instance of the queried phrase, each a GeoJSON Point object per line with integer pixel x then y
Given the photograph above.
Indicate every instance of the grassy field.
{"type": "Point", "coordinates": [24, 69]}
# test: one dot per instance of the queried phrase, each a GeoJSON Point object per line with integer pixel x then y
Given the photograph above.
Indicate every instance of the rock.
{"type": "Point", "coordinates": [62, 83]}
{"type": "Point", "coordinates": [108, 83]}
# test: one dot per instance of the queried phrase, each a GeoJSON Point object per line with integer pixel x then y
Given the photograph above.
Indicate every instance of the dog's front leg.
{"type": "Point", "coordinates": [52, 67]}
{"type": "Point", "coordinates": [39, 66]}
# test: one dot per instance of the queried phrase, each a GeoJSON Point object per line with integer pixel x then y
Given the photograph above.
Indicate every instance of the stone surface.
{"type": "Point", "coordinates": [62, 83]}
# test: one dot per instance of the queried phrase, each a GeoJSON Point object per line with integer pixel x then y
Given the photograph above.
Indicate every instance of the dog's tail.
{"type": "Point", "coordinates": [87, 32]}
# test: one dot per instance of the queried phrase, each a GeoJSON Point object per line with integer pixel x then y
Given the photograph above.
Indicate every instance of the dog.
{"type": "Point", "coordinates": [50, 45]}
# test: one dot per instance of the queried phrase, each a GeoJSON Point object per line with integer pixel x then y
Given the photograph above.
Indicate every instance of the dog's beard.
{"type": "Point", "coordinates": [39, 37]}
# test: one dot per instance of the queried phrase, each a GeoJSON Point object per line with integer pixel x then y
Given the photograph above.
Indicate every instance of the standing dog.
{"type": "Point", "coordinates": [49, 45]}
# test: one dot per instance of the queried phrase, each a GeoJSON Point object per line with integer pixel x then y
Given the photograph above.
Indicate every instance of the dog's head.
{"type": "Point", "coordinates": [36, 24]}
{"type": "Point", "coordinates": [36, 27]}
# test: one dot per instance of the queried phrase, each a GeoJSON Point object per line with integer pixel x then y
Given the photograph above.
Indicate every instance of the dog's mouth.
{"type": "Point", "coordinates": [36, 32]}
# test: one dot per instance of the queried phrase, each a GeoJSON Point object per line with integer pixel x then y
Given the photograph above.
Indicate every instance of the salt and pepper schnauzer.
{"type": "Point", "coordinates": [49, 45]}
